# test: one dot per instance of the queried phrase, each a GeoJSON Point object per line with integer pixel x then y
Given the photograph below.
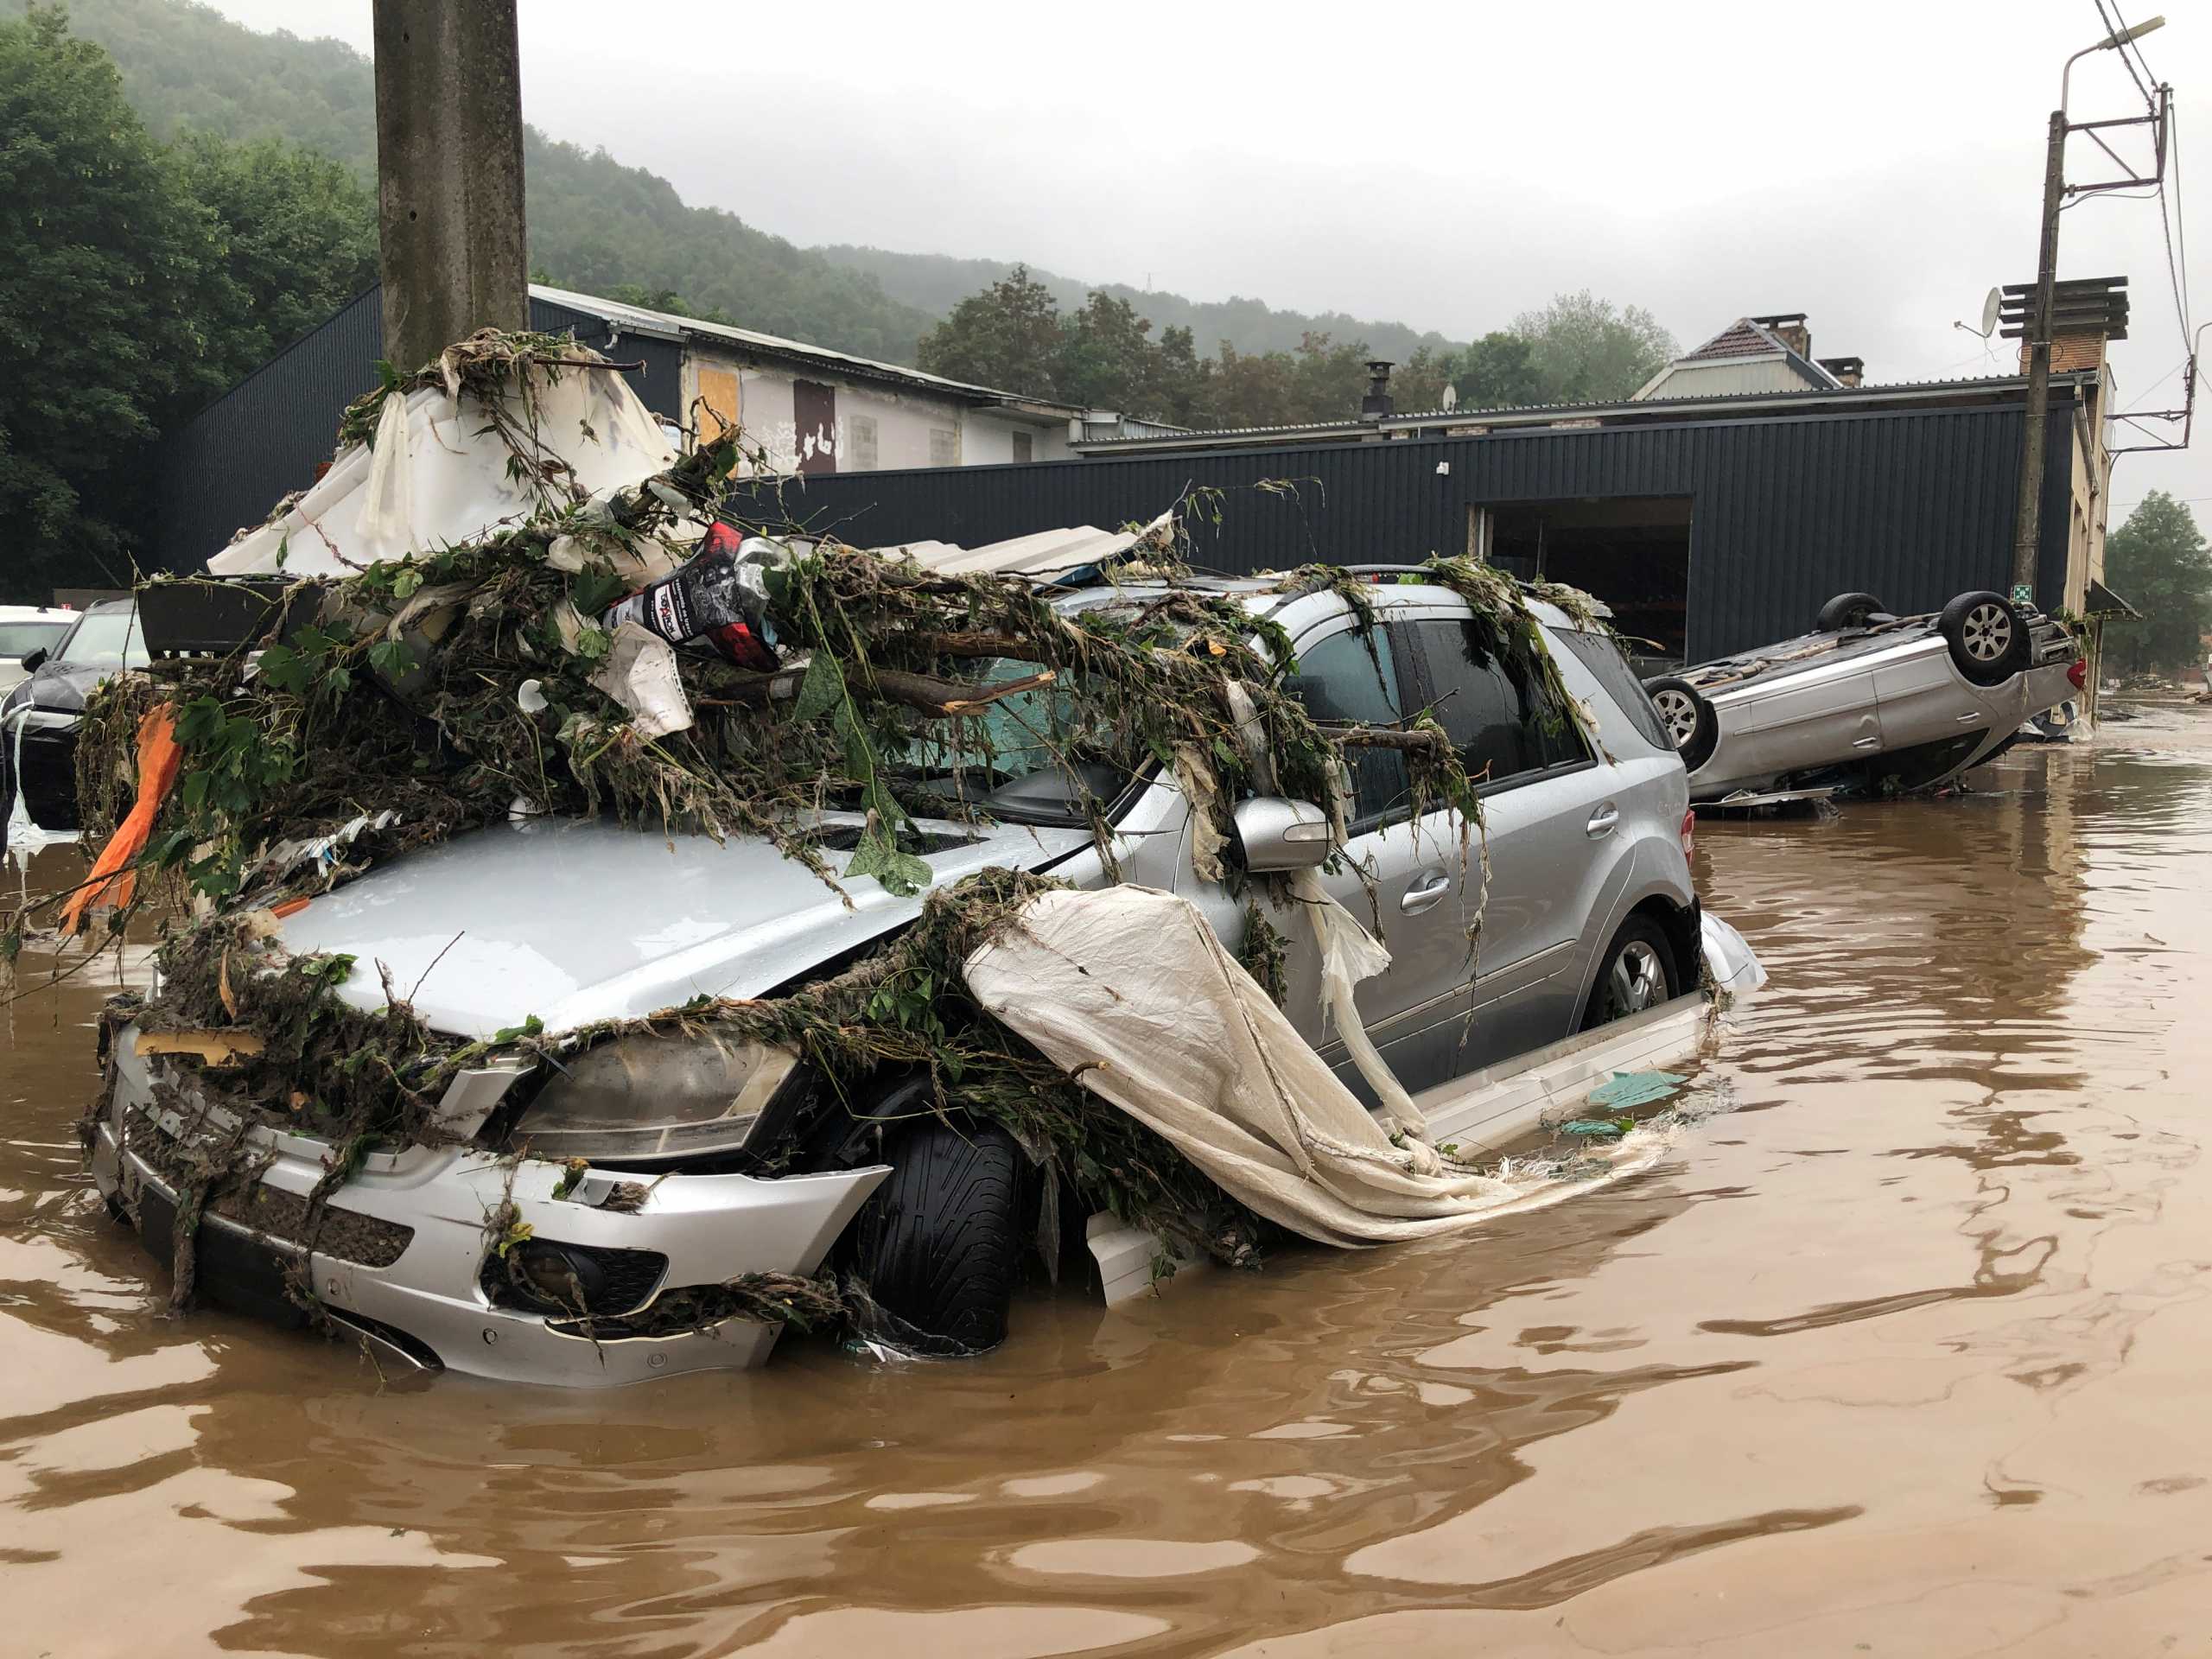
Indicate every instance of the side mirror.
{"type": "Point", "coordinates": [34, 659]}
{"type": "Point", "coordinates": [1279, 836]}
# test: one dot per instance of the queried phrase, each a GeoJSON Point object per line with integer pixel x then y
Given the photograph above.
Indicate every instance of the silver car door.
{"type": "Point", "coordinates": [1922, 697]}
{"type": "Point", "coordinates": [1558, 829]}
{"type": "Point", "coordinates": [1813, 716]}
{"type": "Point", "coordinates": [1399, 884]}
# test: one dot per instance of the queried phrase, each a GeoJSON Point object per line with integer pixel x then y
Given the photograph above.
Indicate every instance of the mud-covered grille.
{"type": "Point", "coordinates": [619, 1280]}
{"type": "Point", "coordinates": [342, 1234]}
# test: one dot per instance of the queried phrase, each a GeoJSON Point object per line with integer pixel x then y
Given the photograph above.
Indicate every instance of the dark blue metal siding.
{"type": "Point", "coordinates": [234, 460]}
{"type": "Point", "coordinates": [1913, 506]}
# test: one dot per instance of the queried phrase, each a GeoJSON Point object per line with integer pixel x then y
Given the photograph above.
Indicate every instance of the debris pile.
{"type": "Point", "coordinates": [533, 668]}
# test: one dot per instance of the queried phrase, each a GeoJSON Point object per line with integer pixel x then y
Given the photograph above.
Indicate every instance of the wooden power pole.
{"type": "Point", "coordinates": [449, 204]}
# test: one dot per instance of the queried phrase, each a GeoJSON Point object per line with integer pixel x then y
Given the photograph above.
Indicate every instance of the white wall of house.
{"type": "Point", "coordinates": [877, 428]}
{"type": "Point", "coordinates": [1724, 376]}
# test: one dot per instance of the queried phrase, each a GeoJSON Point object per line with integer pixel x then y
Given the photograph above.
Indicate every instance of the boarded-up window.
{"type": "Point", "coordinates": [1023, 449]}
{"type": "Point", "coordinates": [718, 412]}
{"type": "Point", "coordinates": [944, 446]}
{"type": "Point", "coordinates": [860, 443]}
{"type": "Point", "coordinates": [814, 410]}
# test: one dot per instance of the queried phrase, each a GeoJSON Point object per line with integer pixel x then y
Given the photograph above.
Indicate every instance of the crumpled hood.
{"type": "Point", "coordinates": [62, 688]}
{"type": "Point", "coordinates": [578, 920]}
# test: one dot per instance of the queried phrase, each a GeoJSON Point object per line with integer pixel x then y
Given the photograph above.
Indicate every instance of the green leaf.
{"type": "Point", "coordinates": [407, 584]}
{"type": "Point", "coordinates": [592, 643]}
{"type": "Point", "coordinates": [823, 689]}
{"type": "Point", "coordinates": [901, 873]}
{"type": "Point", "coordinates": [391, 658]}
{"type": "Point", "coordinates": [594, 590]}
{"type": "Point", "coordinates": [285, 668]}
{"type": "Point", "coordinates": [532, 1026]}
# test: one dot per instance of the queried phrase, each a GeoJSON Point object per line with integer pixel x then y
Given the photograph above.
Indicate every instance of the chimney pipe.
{"type": "Point", "coordinates": [1377, 404]}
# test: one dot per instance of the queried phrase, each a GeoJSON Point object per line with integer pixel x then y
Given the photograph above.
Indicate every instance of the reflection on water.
{"type": "Point", "coordinates": [1903, 1356]}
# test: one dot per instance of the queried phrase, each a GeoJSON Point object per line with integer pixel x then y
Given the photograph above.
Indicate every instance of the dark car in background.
{"type": "Point", "coordinates": [38, 717]}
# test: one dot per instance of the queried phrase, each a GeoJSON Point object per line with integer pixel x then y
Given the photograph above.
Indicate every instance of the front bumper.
{"type": "Point", "coordinates": [400, 1256]}
{"type": "Point", "coordinates": [39, 761]}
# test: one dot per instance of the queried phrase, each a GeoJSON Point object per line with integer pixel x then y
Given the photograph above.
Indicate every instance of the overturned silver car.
{"type": "Point", "coordinates": [1869, 702]}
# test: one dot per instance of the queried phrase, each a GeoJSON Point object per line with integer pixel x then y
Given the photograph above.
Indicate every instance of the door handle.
{"type": "Point", "coordinates": [1866, 743]}
{"type": "Point", "coordinates": [1433, 885]}
{"type": "Point", "coordinates": [1603, 820]}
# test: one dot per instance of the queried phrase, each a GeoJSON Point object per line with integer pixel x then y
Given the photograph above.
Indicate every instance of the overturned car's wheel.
{"type": "Point", "coordinates": [938, 1242]}
{"type": "Point", "coordinates": [1637, 973]}
{"type": "Point", "coordinates": [1688, 718]}
{"type": "Point", "coordinates": [1847, 611]}
{"type": "Point", "coordinates": [1988, 641]}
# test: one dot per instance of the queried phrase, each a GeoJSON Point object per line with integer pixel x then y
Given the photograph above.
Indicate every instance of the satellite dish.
{"type": "Point", "coordinates": [1450, 397]}
{"type": "Point", "coordinates": [1990, 308]}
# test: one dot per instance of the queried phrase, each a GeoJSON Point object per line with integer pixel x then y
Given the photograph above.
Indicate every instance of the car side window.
{"type": "Point", "coordinates": [1497, 718]}
{"type": "Point", "coordinates": [1601, 654]}
{"type": "Point", "coordinates": [1353, 676]}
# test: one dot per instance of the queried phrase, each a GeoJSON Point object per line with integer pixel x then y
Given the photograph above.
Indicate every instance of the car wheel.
{"type": "Point", "coordinates": [1847, 611]}
{"type": "Point", "coordinates": [1688, 718]}
{"type": "Point", "coordinates": [1637, 973]}
{"type": "Point", "coordinates": [1988, 641]}
{"type": "Point", "coordinates": [938, 1242]}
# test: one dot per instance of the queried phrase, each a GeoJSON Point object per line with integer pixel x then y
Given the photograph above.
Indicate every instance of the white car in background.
{"type": "Point", "coordinates": [1867, 701]}
{"type": "Point", "coordinates": [25, 629]}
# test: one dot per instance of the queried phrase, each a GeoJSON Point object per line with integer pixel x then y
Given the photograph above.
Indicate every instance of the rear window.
{"type": "Point", "coordinates": [21, 639]}
{"type": "Point", "coordinates": [1601, 654]}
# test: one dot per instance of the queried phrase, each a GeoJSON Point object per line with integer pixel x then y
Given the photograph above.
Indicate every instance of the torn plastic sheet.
{"type": "Point", "coordinates": [1128, 989]}
{"type": "Point", "coordinates": [320, 850]}
{"type": "Point", "coordinates": [641, 674]}
{"type": "Point", "coordinates": [439, 474]}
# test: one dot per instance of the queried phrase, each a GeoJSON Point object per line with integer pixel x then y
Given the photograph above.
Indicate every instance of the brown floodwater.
{"type": "Point", "coordinates": [1904, 1353]}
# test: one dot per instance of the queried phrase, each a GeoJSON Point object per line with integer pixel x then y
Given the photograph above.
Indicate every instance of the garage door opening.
{"type": "Point", "coordinates": [1633, 552]}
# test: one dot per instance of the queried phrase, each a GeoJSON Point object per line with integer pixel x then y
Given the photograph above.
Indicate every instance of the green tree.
{"type": "Point", "coordinates": [1008, 337]}
{"type": "Point", "coordinates": [2156, 561]}
{"type": "Point", "coordinates": [1108, 359]}
{"type": "Point", "coordinates": [299, 239]}
{"type": "Point", "coordinates": [1496, 371]}
{"type": "Point", "coordinates": [1417, 385]}
{"type": "Point", "coordinates": [1582, 350]}
{"type": "Point", "coordinates": [109, 264]}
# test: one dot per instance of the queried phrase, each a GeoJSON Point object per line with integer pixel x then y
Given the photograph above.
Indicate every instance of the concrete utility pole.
{"type": "Point", "coordinates": [2027, 536]}
{"type": "Point", "coordinates": [2028, 520]}
{"type": "Point", "coordinates": [449, 204]}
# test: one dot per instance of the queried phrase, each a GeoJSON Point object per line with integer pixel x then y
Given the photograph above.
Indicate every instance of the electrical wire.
{"type": "Point", "coordinates": [2116, 25]}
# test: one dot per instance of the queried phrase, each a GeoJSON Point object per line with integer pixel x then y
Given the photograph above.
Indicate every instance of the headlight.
{"type": "Point", "coordinates": [654, 1099]}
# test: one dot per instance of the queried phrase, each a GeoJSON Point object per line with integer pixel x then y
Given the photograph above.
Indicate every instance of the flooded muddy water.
{"type": "Point", "coordinates": [1905, 1354]}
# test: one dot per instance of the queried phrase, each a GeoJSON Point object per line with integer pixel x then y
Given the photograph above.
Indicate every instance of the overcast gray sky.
{"type": "Point", "coordinates": [1876, 164]}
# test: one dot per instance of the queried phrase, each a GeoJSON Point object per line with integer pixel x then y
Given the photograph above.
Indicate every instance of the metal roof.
{"type": "Point", "coordinates": [1724, 404]}
{"type": "Point", "coordinates": [670, 326]}
{"type": "Point", "coordinates": [1044, 552]}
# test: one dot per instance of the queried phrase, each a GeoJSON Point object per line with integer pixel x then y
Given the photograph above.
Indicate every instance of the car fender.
{"type": "Point", "coordinates": [1640, 880]}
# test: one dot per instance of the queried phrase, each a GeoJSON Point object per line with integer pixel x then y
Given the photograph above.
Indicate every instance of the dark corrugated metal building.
{"type": "Point", "coordinates": [1778, 501]}
{"type": "Point", "coordinates": [233, 462]}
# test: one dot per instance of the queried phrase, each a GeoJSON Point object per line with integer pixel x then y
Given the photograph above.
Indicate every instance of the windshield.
{"type": "Point", "coordinates": [104, 639]}
{"type": "Point", "coordinates": [1037, 754]}
{"type": "Point", "coordinates": [21, 639]}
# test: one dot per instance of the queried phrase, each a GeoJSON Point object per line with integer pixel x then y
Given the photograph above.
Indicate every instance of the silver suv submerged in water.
{"type": "Point", "coordinates": [1589, 914]}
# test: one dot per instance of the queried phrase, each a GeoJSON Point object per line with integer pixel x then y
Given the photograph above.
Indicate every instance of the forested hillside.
{"type": "Point", "coordinates": [594, 223]}
{"type": "Point", "coordinates": [936, 282]}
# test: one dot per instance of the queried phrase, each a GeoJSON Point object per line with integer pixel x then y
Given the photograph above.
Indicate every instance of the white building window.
{"type": "Point", "coordinates": [1023, 450]}
{"type": "Point", "coordinates": [858, 451]}
{"type": "Point", "coordinates": [944, 446]}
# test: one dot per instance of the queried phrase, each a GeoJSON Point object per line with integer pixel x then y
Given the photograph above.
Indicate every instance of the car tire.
{"type": "Point", "coordinates": [1687, 717]}
{"type": "Point", "coordinates": [1988, 640]}
{"type": "Point", "coordinates": [1637, 972]}
{"type": "Point", "coordinates": [939, 1241]}
{"type": "Point", "coordinates": [1847, 611]}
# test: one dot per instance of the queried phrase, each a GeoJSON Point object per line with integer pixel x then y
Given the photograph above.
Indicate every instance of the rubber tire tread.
{"type": "Point", "coordinates": [939, 1241]}
{"type": "Point", "coordinates": [1839, 612]}
{"type": "Point", "coordinates": [1636, 927]}
{"type": "Point", "coordinates": [1706, 737]}
{"type": "Point", "coordinates": [1952, 625]}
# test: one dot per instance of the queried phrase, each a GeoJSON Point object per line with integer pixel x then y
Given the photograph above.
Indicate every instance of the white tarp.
{"type": "Point", "coordinates": [438, 475]}
{"type": "Point", "coordinates": [1127, 990]}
